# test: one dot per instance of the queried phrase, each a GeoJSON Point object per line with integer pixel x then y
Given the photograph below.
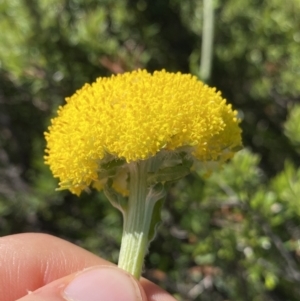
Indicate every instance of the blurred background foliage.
{"type": "Point", "coordinates": [233, 236]}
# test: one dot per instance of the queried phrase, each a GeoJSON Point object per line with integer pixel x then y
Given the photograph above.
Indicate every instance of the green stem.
{"type": "Point", "coordinates": [137, 219]}
{"type": "Point", "coordinates": [207, 40]}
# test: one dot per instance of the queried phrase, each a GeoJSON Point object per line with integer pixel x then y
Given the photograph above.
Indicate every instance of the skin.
{"type": "Point", "coordinates": [42, 263]}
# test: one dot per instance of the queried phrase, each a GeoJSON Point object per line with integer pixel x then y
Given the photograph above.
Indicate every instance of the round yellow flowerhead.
{"type": "Point", "coordinates": [136, 116]}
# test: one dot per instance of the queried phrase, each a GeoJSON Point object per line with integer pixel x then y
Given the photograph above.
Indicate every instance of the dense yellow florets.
{"type": "Point", "coordinates": [134, 116]}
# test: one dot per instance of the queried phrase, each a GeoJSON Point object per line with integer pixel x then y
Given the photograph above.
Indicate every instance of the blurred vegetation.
{"type": "Point", "coordinates": [233, 236]}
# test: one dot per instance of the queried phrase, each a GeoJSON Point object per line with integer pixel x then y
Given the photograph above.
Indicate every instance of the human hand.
{"type": "Point", "coordinates": [40, 267]}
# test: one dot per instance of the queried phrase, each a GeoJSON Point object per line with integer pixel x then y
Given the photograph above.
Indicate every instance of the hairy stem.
{"type": "Point", "coordinates": [137, 219]}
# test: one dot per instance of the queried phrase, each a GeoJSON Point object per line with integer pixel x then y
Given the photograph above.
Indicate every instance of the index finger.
{"type": "Point", "coordinates": [30, 261]}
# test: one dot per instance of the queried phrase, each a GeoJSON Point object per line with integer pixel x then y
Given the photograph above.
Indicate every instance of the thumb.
{"type": "Point", "coordinates": [97, 283]}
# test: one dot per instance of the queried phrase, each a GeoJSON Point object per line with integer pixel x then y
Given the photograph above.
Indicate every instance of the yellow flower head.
{"type": "Point", "coordinates": [135, 116]}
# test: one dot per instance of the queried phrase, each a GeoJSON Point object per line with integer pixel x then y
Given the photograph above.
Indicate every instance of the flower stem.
{"type": "Point", "coordinates": [137, 219]}
{"type": "Point", "coordinates": [207, 40]}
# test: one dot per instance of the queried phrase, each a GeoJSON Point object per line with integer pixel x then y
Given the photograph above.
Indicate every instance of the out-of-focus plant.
{"type": "Point", "coordinates": [292, 127]}
{"type": "Point", "coordinates": [48, 50]}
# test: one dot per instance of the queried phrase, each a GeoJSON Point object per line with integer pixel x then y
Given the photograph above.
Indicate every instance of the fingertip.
{"type": "Point", "coordinates": [32, 260]}
{"type": "Point", "coordinates": [104, 283]}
